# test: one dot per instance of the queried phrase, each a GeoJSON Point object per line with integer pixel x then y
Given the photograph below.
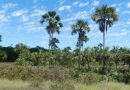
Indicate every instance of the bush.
{"type": "Point", "coordinates": [122, 77]}
{"type": "Point", "coordinates": [89, 78]}
{"type": "Point", "coordinates": [22, 62]}
{"type": "Point", "coordinates": [59, 74]}
{"type": "Point", "coordinates": [3, 56]}
{"type": "Point", "coordinates": [32, 73]}
{"type": "Point", "coordinates": [62, 86]}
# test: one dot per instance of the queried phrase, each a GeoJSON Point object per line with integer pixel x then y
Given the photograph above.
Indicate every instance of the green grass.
{"type": "Point", "coordinates": [21, 85]}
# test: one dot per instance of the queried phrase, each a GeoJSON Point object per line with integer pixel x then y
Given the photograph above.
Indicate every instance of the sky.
{"type": "Point", "coordinates": [19, 22]}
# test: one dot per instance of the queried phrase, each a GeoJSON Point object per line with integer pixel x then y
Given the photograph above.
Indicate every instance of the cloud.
{"type": "Point", "coordinates": [9, 5]}
{"type": "Point", "coordinates": [22, 14]}
{"type": "Point", "coordinates": [38, 12]}
{"type": "Point", "coordinates": [62, 1]}
{"type": "Point", "coordinates": [75, 3]}
{"type": "Point", "coordinates": [80, 4]}
{"type": "Point", "coordinates": [4, 18]}
{"type": "Point", "coordinates": [66, 7]}
{"type": "Point", "coordinates": [128, 5]}
{"type": "Point", "coordinates": [19, 13]}
{"type": "Point", "coordinates": [113, 5]}
{"type": "Point", "coordinates": [126, 12]}
{"type": "Point", "coordinates": [78, 15]}
{"type": "Point", "coordinates": [25, 18]}
{"type": "Point", "coordinates": [95, 3]}
{"type": "Point", "coordinates": [83, 4]}
{"type": "Point", "coordinates": [31, 25]}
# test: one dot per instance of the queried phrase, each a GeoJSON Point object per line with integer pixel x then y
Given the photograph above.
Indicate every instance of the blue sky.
{"type": "Point", "coordinates": [19, 22]}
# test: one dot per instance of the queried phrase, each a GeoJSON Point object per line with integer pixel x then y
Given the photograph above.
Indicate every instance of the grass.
{"type": "Point", "coordinates": [21, 85]}
{"type": "Point", "coordinates": [104, 86]}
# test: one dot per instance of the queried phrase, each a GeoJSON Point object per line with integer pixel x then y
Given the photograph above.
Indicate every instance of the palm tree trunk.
{"type": "Point", "coordinates": [104, 63]}
{"type": "Point", "coordinates": [103, 40]}
{"type": "Point", "coordinates": [49, 42]}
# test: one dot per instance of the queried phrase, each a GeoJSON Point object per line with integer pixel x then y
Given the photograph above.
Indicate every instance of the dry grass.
{"type": "Point", "coordinates": [21, 85]}
{"type": "Point", "coordinates": [104, 86]}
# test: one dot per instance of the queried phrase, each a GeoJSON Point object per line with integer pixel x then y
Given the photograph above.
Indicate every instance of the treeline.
{"type": "Point", "coordinates": [9, 54]}
{"type": "Point", "coordinates": [117, 59]}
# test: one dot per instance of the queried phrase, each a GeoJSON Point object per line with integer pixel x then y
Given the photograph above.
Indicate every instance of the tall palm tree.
{"type": "Point", "coordinates": [80, 28]}
{"type": "Point", "coordinates": [54, 24]}
{"type": "Point", "coordinates": [105, 16]}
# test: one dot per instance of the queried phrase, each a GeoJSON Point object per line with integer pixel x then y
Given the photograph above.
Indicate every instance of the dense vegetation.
{"type": "Point", "coordinates": [84, 64]}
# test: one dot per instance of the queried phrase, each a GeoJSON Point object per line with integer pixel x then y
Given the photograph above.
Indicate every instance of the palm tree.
{"type": "Point", "coordinates": [54, 24]}
{"type": "Point", "coordinates": [105, 16]}
{"type": "Point", "coordinates": [80, 28]}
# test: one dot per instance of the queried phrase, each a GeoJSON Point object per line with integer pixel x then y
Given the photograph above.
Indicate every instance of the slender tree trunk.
{"type": "Point", "coordinates": [79, 60]}
{"type": "Point", "coordinates": [103, 56]}
{"type": "Point", "coordinates": [49, 41]}
{"type": "Point", "coordinates": [103, 40]}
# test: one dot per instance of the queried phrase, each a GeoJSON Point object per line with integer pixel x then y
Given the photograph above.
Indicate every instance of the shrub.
{"type": "Point", "coordinates": [62, 86]}
{"type": "Point", "coordinates": [22, 62]}
{"type": "Point", "coordinates": [89, 78]}
{"type": "Point", "coordinates": [32, 73]}
{"type": "Point", "coordinates": [3, 56]}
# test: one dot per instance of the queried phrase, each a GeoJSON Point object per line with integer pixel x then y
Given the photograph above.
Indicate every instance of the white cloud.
{"type": "Point", "coordinates": [80, 4]}
{"type": "Point", "coordinates": [78, 15]}
{"type": "Point", "coordinates": [113, 5]}
{"type": "Point", "coordinates": [38, 12]}
{"type": "Point", "coordinates": [66, 7]}
{"type": "Point", "coordinates": [9, 5]}
{"type": "Point", "coordinates": [3, 18]}
{"type": "Point", "coordinates": [83, 4]}
{"type": "Point", "coordinates": [76, 3]}
{"type": "Point", "coordinates": [19, 13]}
{"type": "Point", "coordinates": [31, 26]}
{"type": "Point", "coordinates": [62, 1]}
{"type": "Point", "coordinates": [22, 14]}
{"type": "Point", "coordinates": [24, 18]}
{"type": "Point", "coordinates": [126, 12]}
{"type": "Point", "coordinates": [128, 4]}
{"type": "Point", "coordinates": [95, 3]}
{"type": "Point", "coordinates": [81, 15]}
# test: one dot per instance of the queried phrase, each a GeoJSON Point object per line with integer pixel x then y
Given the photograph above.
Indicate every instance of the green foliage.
{"type": "Point", "coordinates": [89, 78]}
{"type": "Point", "coordinates": [62, 86]}
{"type": "Point", "coordinates": [3, 56]}
{"type": "Point", "coordinates": [22, 62]}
